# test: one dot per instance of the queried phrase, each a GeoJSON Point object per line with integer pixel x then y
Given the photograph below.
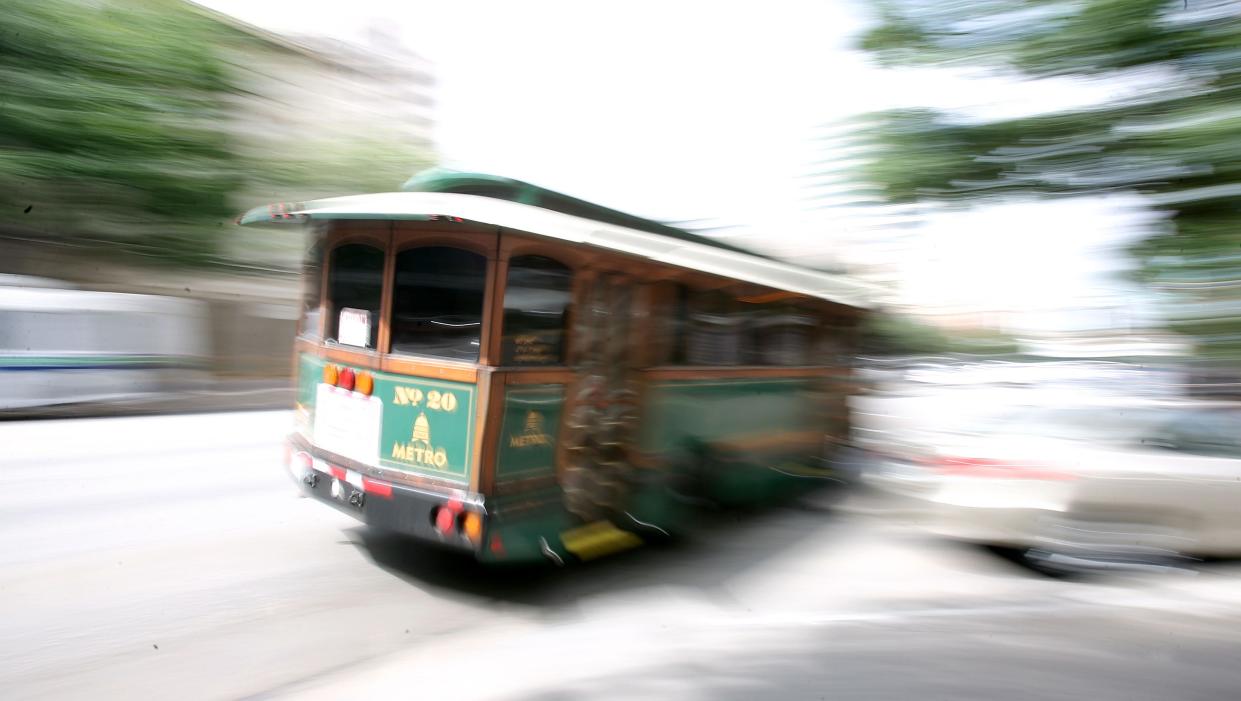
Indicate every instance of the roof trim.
{"type": "Point", "coordinates": [446, 180]}
{"type": "Point", "coordinates": [425, 206]}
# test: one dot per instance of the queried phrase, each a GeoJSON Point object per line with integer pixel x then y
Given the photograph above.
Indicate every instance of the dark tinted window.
{"type": "Point", "coordinates": [779, 335]}
{"type": "Point", "coordinates": [676, 329]}
{"type": "Point", "coordinates": [437, 303]}
{"type": "Point", "coordinates": [355, 281]}
{"type": "Point", "coordinates": [715, 330]}
{"type": "Point", "coordinates": [536, 302]}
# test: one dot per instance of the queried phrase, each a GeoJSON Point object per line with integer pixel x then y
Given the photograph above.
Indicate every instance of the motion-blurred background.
{"type": "Point", "coordinates": [1025, 181]}
{"type": "Point", "coordinates": [1046, 194]}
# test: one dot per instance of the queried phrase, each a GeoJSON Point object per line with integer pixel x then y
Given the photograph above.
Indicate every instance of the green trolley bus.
{"type": "Point", "coordinates": [523, 375]}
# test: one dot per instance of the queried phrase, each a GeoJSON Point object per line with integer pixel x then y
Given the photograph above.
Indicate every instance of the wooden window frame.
{"type": "Point", "coordinates": [376, 235]}
{"type": "Point", "coordinates": [482, 241]}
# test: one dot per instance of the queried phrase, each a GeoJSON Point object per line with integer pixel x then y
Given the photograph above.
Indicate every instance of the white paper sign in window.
{"type": "Point", "coordinates": [354, 328]}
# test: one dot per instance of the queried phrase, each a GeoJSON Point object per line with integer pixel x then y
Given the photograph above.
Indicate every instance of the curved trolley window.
{"type": "Point", "coordinates": [536, 300]}
{"type": "Point", "coordinates": [355, 285]}
{"type": "Point", "coordinates": [437, 302]}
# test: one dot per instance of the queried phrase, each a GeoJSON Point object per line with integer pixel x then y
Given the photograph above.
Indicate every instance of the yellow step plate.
{"type": "Point", "coordinates": [598, 539]}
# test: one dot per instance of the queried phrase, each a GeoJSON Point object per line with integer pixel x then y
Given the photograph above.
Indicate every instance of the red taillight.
{"type": "Point", "coordinates": [445, 520]}
{"type": "Point", "coordinates": [996, 469]}
{"type": "Point", "coordinates": [345, 381]}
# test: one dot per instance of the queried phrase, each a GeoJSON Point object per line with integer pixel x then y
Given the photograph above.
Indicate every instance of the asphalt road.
{"type": "Point", "coordinates": [169, 556]}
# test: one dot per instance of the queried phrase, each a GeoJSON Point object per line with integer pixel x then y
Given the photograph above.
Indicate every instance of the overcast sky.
{"type": "Point", "coordinates": [705, 110]}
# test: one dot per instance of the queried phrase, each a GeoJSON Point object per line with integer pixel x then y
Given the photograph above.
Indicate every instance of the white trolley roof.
{"type": "Point", "coordinates": [424, 206]}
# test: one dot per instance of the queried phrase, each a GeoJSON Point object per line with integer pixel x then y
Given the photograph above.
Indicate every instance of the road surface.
{"type": "Point", "coordinates": [170, 557]}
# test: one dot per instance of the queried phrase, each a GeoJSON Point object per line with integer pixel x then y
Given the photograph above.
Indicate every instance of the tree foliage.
{"type": "Point", "coordinates": [892, 334]}
{"type": "Point", "coordinates": [1170, 130]}
{"type": "Point", "coordinates": [110, 125]}
{"type": "Point", "coordinates": [115, 132]}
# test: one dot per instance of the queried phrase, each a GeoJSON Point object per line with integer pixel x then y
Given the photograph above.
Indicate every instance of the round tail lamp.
{"type": "Point", "coordinates": [472, 526]}
{"type": "Point", "coordinates": [330, 374]}
{"type": "Point", "coordinates": [346, 379]}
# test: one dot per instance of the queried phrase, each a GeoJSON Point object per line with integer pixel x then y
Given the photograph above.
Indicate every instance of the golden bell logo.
{"type": "Point", "coordinates": [532, 435]}
{"type": "Point", "coordinates": [534, 422]}
{"type": "Point", "coordinates": [419, 450]}
{"type": "Point", "coordinates": [422, 429]}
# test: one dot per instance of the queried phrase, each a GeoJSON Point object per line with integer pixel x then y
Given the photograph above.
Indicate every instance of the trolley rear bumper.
{"type": "Point", "coordinates": [380, 503]}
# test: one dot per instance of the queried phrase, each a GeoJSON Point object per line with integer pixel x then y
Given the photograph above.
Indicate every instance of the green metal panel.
{"type": "Point", "coordinates": [428, 425]}
{"type": "Point", "coordinates": [529, 431]}
{"type": "Point", "coordinates": [309, 374]}
{"type": "Point", "coordinates": [703, 411]}
{"type": "Point", "coordinates": [516, 534]}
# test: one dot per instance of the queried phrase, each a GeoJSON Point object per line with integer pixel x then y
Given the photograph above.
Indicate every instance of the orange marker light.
{"type": "Point", "coordinates": [330, 374]}
{"type": "Point", "coordinates": [364, 383]}
{"type": "Point", "coordinates": [472, 525]}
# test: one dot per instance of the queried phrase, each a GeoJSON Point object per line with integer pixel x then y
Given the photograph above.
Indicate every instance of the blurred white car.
{"type": "Point", "coordinates": [1099, 484]}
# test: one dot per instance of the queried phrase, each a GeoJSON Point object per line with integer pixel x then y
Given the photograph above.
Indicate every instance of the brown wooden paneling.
{"type": "Point", "coordinates": [574, 256]}
{"type": "Point", "coordinates": [366, 359]}
{"type": "Point", "coordinates": [642, 320]}
{"type": "Point", "coordinates": [493, 304]}
{"type": "Point", "coordinates": [431, 368]}
{"type": "Point", "coordinates": [493, 315]}
{"type": "Point", "coordinates": [408, 235]}
{"type": "Point", "coordinates": [385, 305]}
{"type": "Point", "coordinates": [483, 464]}
{"type": "Point", "coordinates": [583, 279]}
{"type": "Point", "coordinates": [736, 372]}
{"type": "Point", "coordinates": [489, 433]}
{"type": "Point", "coordinates": [535, 376]}
{"type": "Point", "coordinates": [359, 231]}
{"type": "Point", "coordinates": [323, 312]}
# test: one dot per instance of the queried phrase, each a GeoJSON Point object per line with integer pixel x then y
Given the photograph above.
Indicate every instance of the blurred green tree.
{"type": "Point", "coordinates": [890, 334]}
{"type": "Point", "coordinates": [896, 334]}
{"type": "Point", "coordinates": [1170, 129]}
{"type": "Point", "coordinates": [115, 132]}
{"type": "Point", "coordinates": [110, 126]}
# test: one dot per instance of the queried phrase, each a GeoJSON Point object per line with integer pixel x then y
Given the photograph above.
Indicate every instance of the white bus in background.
{"type": "Point", "coordinates": [61, 346]}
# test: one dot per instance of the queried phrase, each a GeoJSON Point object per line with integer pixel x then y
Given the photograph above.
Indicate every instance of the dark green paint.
{"type": "Point", "coordinates": [529, 431]}
{"type": "Point", "coordinates": [449, 431]}
{"type": "Point", "coordinates": [681, 414]}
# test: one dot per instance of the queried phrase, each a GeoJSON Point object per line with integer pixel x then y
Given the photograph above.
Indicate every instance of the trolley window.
{"type": "Point", "coordinates": [437, 302]}
{"type": "Point", "coordinates": [355, 285]}
{"type": "Point", "coordinates": [536, 303]}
